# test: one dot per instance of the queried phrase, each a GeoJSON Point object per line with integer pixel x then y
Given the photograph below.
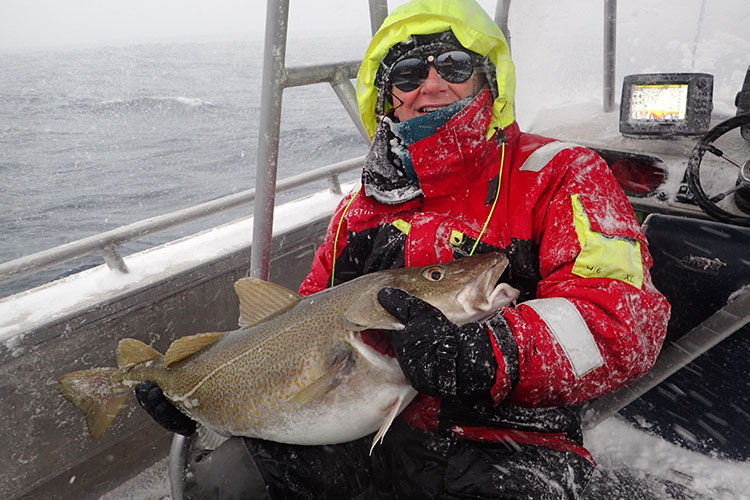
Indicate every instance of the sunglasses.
{"type": "Point", "coordinates": [454, 66]}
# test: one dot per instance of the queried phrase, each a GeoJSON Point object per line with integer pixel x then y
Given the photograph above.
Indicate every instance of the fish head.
{"type": "Point", "coordinates": [465, 290]}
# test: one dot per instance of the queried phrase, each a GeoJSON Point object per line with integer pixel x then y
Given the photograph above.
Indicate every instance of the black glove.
{"type": "Point", "coordinates": [437, 356]}
{"type": "Point", "coordinates": [152, 399]}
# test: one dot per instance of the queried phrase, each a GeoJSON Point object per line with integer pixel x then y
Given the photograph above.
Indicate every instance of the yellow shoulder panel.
{"type": "Point", "coordinates": [605, 256]}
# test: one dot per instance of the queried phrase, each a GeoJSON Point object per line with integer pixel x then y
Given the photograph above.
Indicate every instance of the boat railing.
{"type": "Point", "coordinates": [276, 78]}
{"type": "Point", "coordinates": [108, 243]}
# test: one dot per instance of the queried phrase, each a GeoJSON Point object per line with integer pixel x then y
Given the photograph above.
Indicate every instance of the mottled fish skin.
{"type": "Point", "coordinates": [304, 376]}
{"type": "Point", "coordinates": [243, 384]}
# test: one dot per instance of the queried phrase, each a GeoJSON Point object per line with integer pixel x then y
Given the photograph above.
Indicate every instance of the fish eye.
{"type": "Point", "coordinates": [434, 273]}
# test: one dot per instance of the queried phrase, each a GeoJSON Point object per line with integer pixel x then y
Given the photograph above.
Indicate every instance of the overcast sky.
{"type": "Point", "coordinates": [56, 23]}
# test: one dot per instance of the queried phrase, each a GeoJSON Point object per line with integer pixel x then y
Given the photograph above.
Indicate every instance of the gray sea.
{"type": "Point", "coordinates": [95, 138]}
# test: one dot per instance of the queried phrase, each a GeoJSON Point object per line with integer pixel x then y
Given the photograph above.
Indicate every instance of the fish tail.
{"type": "Point", "coordinates": [96, 394]}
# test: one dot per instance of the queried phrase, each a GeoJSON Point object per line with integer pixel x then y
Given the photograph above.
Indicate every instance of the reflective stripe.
{"type": "Point", "coordinates": [543, 155]}
{"type": "Point", "coordinates": [571, 332]}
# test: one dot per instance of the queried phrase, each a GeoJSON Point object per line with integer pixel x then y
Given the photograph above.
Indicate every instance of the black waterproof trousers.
{"type": "Point", "coordinates": [413, 464]}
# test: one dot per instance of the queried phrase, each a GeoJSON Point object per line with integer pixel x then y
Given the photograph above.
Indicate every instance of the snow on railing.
{"type": "Point", "coordinates": [108, 242]}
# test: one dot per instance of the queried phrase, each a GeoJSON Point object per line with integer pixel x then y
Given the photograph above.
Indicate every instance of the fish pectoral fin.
{"type": "Point", "coordinates": [187, 346]}
{"type": "Point", "coordinates": [131, 352]}
{"type": "Point", "coordinates": [342, 357]}
{"type": "Point", "coordinates": [262, 300]}
{"type": "Point", "coordinates": [392, 414]}
{"type": "Point", "coordinates": [209, 439]}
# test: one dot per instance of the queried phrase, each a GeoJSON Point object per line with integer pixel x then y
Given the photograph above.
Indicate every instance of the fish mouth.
{"type": "Point", "coordinates": [483, 297]}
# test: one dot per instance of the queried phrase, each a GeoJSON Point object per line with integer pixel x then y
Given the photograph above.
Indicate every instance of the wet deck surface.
{"type": "Point", "coordinates": [151, 484]}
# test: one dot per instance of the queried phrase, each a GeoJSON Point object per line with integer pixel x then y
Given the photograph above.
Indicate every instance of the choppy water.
{"type": "Point", "coordinates": [92, 139]}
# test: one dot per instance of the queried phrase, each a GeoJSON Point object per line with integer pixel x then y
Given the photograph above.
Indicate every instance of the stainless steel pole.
{"type": "Point", "coordinates": [610, 52]}
{"type": "Point", "coordinates": [178, 457]}
{"type": "Point", "coordinates": [502, 8]}
{"type": "Point", "coordinates": [378, 13]}
{"type": "Point", "coordinates": [274, 75]}
{"type": "Point", "coordinates": [348, 96]}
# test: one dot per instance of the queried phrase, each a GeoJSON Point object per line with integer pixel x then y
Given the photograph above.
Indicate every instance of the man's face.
{"type": "Point", "coordinates": [433, 94]}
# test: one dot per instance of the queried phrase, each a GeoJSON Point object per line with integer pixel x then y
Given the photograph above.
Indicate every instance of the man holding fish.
{"type": "Point", "coordinates": [450, 175]}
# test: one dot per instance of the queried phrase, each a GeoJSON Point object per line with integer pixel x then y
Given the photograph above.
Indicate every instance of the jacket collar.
{"type": "Point", "coordinates": [404, 163]}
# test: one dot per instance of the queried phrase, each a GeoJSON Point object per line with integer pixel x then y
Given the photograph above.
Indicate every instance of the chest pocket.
{"type": "Point", "coordinates": [463, 245]}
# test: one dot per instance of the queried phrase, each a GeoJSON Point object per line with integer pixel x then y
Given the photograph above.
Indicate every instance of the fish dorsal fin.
{"type": "Point", "coordinates": [131, 352]}
{"type": "Point", "coordinates": [331, 377]}
{"type": "Point", "coordinates": [186, 346]}
{"type": "Point", "coordinates": [262, 300]}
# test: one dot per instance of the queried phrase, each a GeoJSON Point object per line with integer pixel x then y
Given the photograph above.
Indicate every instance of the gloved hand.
{"type": "Point", "coordinates": [437, 356]}
{"type": "Point", "coordinates": [152, 399]}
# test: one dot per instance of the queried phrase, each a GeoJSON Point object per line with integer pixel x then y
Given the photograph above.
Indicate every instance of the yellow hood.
{"type": "Point", "coordinates": [473, 28]}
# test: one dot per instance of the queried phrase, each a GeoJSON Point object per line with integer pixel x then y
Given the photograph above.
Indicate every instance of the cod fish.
{"type": "Point", "coordinates": [297, 370]}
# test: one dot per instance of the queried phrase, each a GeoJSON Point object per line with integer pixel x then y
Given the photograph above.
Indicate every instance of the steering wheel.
{"type": "Point", "coordinates": [741, 190]}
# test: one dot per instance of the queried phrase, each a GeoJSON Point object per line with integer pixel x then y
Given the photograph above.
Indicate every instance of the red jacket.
{"type": "Point", "coordinates": [589, 319]}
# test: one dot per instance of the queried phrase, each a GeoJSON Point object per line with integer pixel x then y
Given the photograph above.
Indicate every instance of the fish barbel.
{"type": "Point", "coordinates": [297, 369]}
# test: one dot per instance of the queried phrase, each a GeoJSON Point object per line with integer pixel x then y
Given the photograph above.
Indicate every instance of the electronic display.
{"type": "Point", "coordinates": [659, 102]}
{"type": "Point", "coordinates": [666, 104]}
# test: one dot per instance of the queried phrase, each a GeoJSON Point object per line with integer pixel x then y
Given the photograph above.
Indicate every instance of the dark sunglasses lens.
{"type": "Point", "coordinates": [455, 66]}
{"type": "Point", "coordinates": [408, 74]}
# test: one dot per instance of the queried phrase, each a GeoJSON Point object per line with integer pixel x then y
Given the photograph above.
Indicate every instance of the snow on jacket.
{"type": "Point", "coordinates": [589, 319]}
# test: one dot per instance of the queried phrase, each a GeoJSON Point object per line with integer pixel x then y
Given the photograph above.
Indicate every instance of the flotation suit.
{"type": "Point", "coordinates": [588, 320]}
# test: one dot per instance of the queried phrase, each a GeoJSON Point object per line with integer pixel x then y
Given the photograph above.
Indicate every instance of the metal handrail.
{"type": "Point", "coordinates": [719, 326]}
{"type": "Point", "coordinates": [321, 73]}
{"type": "Point", "coordinates": [108, 242]}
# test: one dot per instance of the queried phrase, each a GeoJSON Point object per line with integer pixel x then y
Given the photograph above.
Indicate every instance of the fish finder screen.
{"type": "Point", "coordinates": [665, 105]}
{"type": "Point", "coordinates": [659, 102]}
